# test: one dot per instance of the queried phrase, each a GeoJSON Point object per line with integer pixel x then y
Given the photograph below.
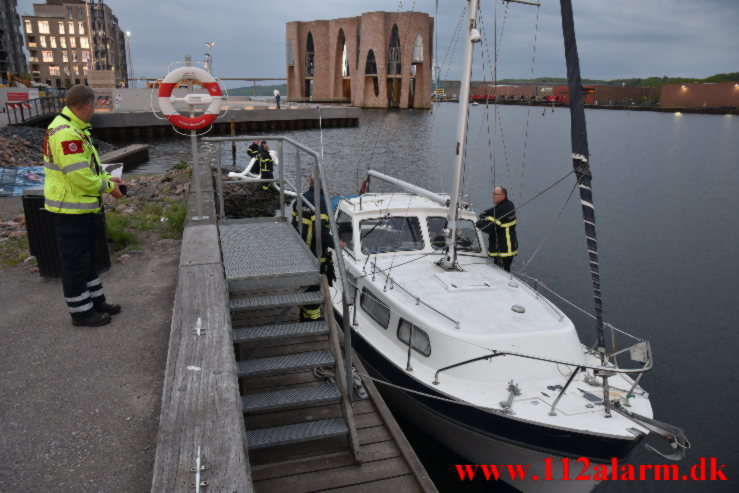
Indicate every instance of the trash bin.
{"type": "Point", "coordinates": [42, 235]}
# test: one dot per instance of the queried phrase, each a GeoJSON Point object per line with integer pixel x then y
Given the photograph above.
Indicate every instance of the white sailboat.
{"type": "Point", "coordinates": [473, 355]}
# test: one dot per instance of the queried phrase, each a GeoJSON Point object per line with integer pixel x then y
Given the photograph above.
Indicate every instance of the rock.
{"type": "Point", "coordinates": [29, 259]}
{"type": "Point", "coordinates": [123, 258]}
{"type": "Point", "coordinates": [33, 269]}
{"type": "Point", "coordinates": [18, 234]}
{"type": "Point", "coordinates": [20, 218]}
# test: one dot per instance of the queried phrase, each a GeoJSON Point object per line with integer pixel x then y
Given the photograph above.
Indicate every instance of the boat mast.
{"type": "Point", "coordinates": [580, 162]}
{"type": "Point", "coordinates": [449, 261]}
{"type": "Point", "coordinates": [437, 69]}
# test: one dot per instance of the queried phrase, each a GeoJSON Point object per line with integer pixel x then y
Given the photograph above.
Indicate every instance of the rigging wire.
{"type": "Point", "coordinates": [528, 111]}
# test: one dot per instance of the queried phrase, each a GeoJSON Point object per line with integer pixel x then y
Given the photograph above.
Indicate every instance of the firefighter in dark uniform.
{"type": "Point", "coordinates": [73, 188]}
{"type": "Point", "coordinates": [253, 153]}
{"type": "Point", "coordinates": [313, 312]}
{"type": "Point", "coordinates": [266, 165]}
{"type": "Point", "coordinates": [500, 223]}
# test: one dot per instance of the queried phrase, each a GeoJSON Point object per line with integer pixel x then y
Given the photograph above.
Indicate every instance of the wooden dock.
{"type": "Point", "coordinates": [241, 399]}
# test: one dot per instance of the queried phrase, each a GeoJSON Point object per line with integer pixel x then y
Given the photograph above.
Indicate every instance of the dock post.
{"type": "Point", "coordinates": [233, 142]}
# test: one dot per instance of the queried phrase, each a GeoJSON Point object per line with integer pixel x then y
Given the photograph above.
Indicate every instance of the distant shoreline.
{"type": "Point", "coordinates": [659, 109]}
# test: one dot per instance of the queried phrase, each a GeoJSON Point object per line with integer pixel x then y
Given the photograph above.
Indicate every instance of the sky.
{"type": "Point", "coordinates": [616, 38]}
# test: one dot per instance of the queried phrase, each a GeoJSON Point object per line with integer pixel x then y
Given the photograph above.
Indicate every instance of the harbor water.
{"type": "Point", "coordinates": [666, 203]}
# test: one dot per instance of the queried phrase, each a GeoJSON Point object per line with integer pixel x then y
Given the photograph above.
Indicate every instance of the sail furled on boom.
{"type": "Point", "coordinates": [580, 159]}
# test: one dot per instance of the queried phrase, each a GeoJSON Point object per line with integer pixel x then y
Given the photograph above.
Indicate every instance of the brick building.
{"type": "Point", "coordinates": [12, 58]}
{"type": "Point", "coordinates": [376, 60]}
{"type": "Point", "coordinates": [718, 95]}
{"type": "Point", "coordinates": [67, 39]}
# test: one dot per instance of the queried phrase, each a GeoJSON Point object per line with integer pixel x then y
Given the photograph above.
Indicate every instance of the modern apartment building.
{"type": "Point", "coordinates": [69, 40]}
{"type": "Point", "coordinates": [12, 58]}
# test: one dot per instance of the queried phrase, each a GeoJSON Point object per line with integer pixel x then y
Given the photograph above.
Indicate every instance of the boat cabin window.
{"type": "Point", "coordinates": [467, 240]}
{"type": "Point", "coordinates": [346, 232]}
{"type": "Point", "coordinates": [419, 341]}
{"type": "Point", "coordinates": [390, 234]}
{"type": "Point", "coordinates": [375, 309]}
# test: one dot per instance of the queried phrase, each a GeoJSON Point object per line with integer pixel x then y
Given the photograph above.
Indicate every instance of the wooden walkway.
{"type": "Point", "coordinates": [206, 394]}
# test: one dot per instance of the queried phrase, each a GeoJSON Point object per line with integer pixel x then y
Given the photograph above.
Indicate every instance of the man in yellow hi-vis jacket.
{"type": "Point", "coordinates": [73, 191]}
{"type": "Point", "coordinates": [500, 223]}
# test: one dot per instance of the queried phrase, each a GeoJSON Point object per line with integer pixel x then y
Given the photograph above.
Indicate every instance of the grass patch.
{"type": "Point", "coordinates": [118, 227]}
{"type": "Point", "coordinates": [174, 214]}
{"type": "Point", "coordinates": [181, 165]}
{"type": "Point", "coordinates": [13, 251]}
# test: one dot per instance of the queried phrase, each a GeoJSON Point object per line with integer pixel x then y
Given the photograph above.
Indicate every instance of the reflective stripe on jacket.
{"type": "Point", "coordinates": [500, 223]}
{"type": "Point", "coordinates": [74, 180]}
{"type": "Point", "coordinates": [309, 219]}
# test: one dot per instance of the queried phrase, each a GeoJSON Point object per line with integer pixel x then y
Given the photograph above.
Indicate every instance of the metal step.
{"type": "Point", "coordinates": [294, 397]}
{"type": "Point", "coordinates": [279, 331]}
{"type": "Point", "coordinates": [275, 301]}
{"type": "Point", "coordinates": [297, 433]}
{"type": "Point", "coordinates": [283, 364]}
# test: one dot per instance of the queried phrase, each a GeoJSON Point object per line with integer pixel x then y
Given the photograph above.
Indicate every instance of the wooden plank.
{"type": "Point", "coordinates": [342, 476]}
{"type": "Point", "coordinates": [371, 452]}
{"type": "Point", "coordinates": [368, 420]}
{"type": "Point", "coordinates": [255, 384]}
{"type": "Point", "coordinates": [200, 402]}
{"type": "Point", "coordinates": [279, 418]}
{"type": "Point", "coordinates": [405, 484]}
{"type": "Point", "coordinates": [200, 246]}
{"type": "Point", "coordinates": [373, 435]}
{"type": "Point", "coordinates": [394, 430]}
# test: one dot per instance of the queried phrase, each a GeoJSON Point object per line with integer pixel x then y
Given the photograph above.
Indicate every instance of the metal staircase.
{"type": "Point", "coordinates": [288, 411]}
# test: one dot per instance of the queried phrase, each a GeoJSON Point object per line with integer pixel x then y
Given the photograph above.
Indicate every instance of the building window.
{"type": "Point", "coordinates": [69, 12]}
{"type": "Point", "coordinates": [65, 69]}
{"type": "Point", "coordinates": [42, 40]}
{"type": "Point", "coordinates": [74, 57]}
{"type": "Point", "coordinates": [344, 62]}
{"type": "Point", "coordinates": [52, 40]}
{"type": "Point", "coordinates": [70, 27]}
{"type": "Point", "coordinates": [65, 57]}
{"type": "Point", "coordinates": [76, 70]}
{"type": "Point", "coordinates": [370, 68]}
{"type": "Point", "coordinates": [419, 341]}
{"type": "Point", "coordinates": [43, 27]}
{"type": "Point", "coordinates": [60, 25]}
{"type": "Point", "coordinates": [310, 57]}
{"type": "Point", "coordinates": [84, 70]}
{"type": "Point", "coordinates": [80, 28]}
{"type": "Point", "coordinates": [84, 43]}
{"type": "Point", "coordinates": [79, 13]}
{"type": "Point", "coordinates": [393, 56]}
{"type": "Point", "coordinates": [63, 42]}
{"type": "Point", "coordinates": [359, 39]}
{"type": "Point", "coordinates": [73, 42]}
{"type": "Point", "coordinates": [418, 50]}
{"type": "Point", "coordinates": [29, 26]}
{"type": "Point", "coordinates": [47, 56]}
{"type": "Point", "coordinates": [54, 70]}
{"type": "Point", "coordinates": [85, 56]}
{"type": "Point", "coordinates": [375, 309]}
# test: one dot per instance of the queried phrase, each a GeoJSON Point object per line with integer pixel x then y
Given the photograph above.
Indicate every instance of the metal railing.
{"type": "Point", "coordinates": [640, 351]}
{"type": "Point", "coordinates": [319, 175]}
{"type": "Point", "coordinates": [20, 112]}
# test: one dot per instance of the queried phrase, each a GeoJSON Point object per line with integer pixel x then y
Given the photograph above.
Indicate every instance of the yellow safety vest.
{"type": "Point", "coordinates": [74, 180]}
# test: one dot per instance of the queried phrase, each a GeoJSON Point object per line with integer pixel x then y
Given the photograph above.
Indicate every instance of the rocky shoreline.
{"type": "Point", "coordinates": [22, 146]}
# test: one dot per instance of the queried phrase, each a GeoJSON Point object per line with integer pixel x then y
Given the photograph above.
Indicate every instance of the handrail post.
{"type": "Point", "coordinates": [280, 156]}
{"type": "Point", "coordinates": [299, 187]}
{"type": "Point", "coordinates": [552, 411]}
{"type": "Point", "coordinates": [219, 182]}
{"type": "Point", "coordinates": [318, 207]}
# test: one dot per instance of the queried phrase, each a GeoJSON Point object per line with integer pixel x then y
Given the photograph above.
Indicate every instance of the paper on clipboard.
{"type": "Point", "coordinates": [115, 169]}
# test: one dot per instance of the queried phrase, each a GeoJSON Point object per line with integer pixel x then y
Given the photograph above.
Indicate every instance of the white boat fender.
{"type": "Point", "coordinates": [212, 99]}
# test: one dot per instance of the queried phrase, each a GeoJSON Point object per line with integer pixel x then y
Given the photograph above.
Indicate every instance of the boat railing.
{"type": "Point", "coordinates": [640, 352]}
{"type": "Point", "coordinates": [319, 177]}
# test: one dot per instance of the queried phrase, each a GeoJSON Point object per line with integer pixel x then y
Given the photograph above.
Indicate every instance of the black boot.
{"type": "Point", "coordinates": [110, 309]}
{"type": "Point", "coordinates": [93, 319]}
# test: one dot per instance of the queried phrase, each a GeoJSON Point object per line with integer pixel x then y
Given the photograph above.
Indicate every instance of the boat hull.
{"type": "Point", "coordinates": [486, 438]}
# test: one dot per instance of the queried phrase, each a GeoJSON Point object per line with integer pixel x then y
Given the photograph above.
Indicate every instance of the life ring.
{"type": "Point", "coordinates": [213, 98]}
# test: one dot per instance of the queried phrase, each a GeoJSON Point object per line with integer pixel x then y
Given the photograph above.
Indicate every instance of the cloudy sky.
{"type": "Point", "coordinates": [617, 38]}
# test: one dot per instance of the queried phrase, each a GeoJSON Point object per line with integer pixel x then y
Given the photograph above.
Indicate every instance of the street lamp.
{"type": "Point", "coordinates": [129, 60]}
{"type": "Point", "coordinates": [210, 55]}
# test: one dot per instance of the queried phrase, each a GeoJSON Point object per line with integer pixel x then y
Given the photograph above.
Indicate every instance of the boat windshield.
{"type": "Point", "coordinates": [466, 241]}
{"type": "Point", "coordinates": [390, 234]}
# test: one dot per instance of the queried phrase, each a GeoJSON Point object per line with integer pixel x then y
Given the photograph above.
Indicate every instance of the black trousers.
{"type": "Point", "coordinates": [77, 236]}
{"type": "Point", "coordinates": [504, 262]}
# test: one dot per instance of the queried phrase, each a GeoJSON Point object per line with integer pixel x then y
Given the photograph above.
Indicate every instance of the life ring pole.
{"type": "Point", "coordinates": [195, 156]}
